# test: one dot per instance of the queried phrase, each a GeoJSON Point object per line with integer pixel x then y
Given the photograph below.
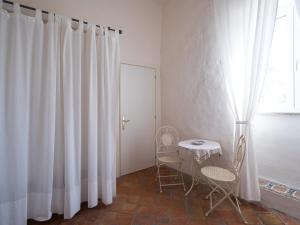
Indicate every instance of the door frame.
{"type": "Point", "coordinates": [119, 147]}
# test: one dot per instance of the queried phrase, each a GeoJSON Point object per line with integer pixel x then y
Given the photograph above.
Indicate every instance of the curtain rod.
{"type": "Point", "coordinates": [46, 12]}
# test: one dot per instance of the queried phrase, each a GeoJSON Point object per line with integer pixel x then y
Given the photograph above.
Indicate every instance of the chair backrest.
{"type": "Point", "coordinates": [166, 139]}
{"type": "Point", "coordinates": [239, 154]}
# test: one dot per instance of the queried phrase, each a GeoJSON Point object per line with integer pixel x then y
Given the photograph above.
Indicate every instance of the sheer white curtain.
{"type": "Point", "coordinates": [297, 5]}
{"type": "Point", "coordinates": [245, 30]}
{"type": "Point", "coordinates": [58, 116]}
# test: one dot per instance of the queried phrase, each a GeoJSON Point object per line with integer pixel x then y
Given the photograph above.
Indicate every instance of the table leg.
{"type": "Point", "coordinates": [193, 177]}
{"type": "Point", "coordinates": [193, 182]}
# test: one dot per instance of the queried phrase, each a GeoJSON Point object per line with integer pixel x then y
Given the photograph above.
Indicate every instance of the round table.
{"type": "Point", "coordinates": [201, 150]}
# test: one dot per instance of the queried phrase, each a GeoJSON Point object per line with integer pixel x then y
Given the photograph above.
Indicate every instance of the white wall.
{"type": "Point", "coordinates": [140, 21]}
{"type": "Point", "coordinates": [277, 144]}
{"type": "Point", "coordinates": [193, 92]}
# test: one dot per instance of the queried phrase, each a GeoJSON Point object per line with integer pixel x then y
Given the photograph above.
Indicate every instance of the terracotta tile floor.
{"type": "Point", "coordinates": [139, 203]}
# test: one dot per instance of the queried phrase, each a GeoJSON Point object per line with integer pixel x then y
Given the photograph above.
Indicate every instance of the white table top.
{"type": "Point", "coordinates": [210, 147]}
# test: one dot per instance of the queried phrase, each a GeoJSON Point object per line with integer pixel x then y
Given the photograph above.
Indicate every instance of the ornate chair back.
{"type": "Point", "coordinates": [166, 140]}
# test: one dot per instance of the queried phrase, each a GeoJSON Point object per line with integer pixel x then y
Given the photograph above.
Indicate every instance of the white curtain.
{"type": "Point", "coordinates": [58, 116]}
{"type": "Point", "coordinates": [297, 6]}
{"type": "Point", "coordinates": [245, 30]}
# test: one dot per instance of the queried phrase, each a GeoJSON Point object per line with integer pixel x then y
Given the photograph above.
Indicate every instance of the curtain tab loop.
{"type": "Point", "coordinates": [17, 9]}
{"type": "Point", "coordinates": [242, 122]}
{"type": "Point", "coordinates": [80, 25]}
{"type": "Point", "coordinates": [50, 17]}
{"type": "Point", "coordinates": [38, 14]}
{"type": "Point", "coordinates": [103, 30]}
{"type": "Point", "coordinates": [117, 33]}
{"type": "Point", "coordinates": [67, 21]}
{"type": "Point", "coordinates": [93, 28]}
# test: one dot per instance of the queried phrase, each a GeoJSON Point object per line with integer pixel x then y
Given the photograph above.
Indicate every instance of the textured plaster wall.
{"type": "Point", "coordinates": [193, 92]}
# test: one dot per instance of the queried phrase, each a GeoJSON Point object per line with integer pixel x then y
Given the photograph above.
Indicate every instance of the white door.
{"type": "Point", "coordinates": [137, 118]}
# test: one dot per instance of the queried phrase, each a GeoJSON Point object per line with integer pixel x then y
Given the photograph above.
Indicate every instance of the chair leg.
{"type": "Point", "coordinates": [228, 196]}
{"type": "Point", "coordinates": [158, 174]}
{"type": "Point", "coordinates": [182, 180]}
{"type": "Point", "coordinates": [213, 188]}
{"type": "Point", "coordinates": [216, 205]}
{"type": "Point", "coordinates": [177, 172]}
{"type": "Point", "coordinates": [178, 176]}
{"type": "Point", "coordinates": [212, 191]}
{"type": "Point", "coordinates": [238, 209]}
{"type": "Point", "coordinates": [237, 203]}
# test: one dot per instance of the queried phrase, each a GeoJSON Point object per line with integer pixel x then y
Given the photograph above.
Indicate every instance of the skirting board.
{"type": "Point", "coordinates": [281, 203]}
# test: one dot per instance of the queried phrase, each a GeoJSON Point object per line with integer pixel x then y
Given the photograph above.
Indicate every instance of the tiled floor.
{"type": "Point", "coordinates": [139, 203]}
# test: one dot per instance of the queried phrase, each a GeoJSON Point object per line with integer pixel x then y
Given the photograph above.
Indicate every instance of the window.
{"type": "Point", "coordinates": [282, 85]}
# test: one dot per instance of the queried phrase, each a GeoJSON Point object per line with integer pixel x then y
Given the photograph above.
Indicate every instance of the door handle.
{"type": "Point", "coordinates": [124, 121]}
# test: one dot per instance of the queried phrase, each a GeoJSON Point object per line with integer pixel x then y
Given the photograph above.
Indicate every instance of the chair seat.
{"type": "Point", "coordinates": [169, 159]}
{"type": "Point", "coordinates": [218, 174]}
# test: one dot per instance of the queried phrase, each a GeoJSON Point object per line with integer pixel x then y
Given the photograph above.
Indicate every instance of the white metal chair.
{"type": "Point", "coordinates": [167, 153]}
{"type": "Point", "coordinates": [224, 181]}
